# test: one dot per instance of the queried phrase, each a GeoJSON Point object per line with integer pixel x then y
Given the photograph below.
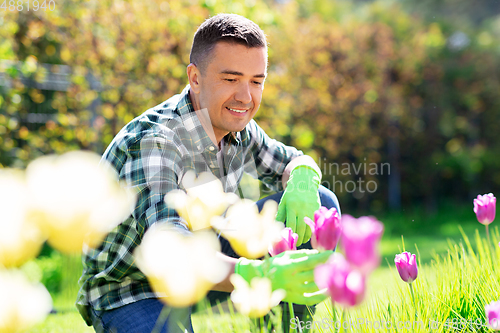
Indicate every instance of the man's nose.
{"type": "Point", "coordinates": [243, 94]}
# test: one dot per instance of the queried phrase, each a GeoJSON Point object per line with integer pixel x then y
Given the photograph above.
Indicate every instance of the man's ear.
{"type": "Point", "coordinates": [194, 74]}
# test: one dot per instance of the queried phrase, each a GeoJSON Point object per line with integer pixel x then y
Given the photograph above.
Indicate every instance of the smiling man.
{"type": "Point", "coordinates": [230, 86]}
{"type": "Point", "coordinates": [207, 127]}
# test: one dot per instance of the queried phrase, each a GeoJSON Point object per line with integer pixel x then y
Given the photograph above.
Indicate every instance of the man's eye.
{"type": "Point", "coordinates": [230, 80]}
{"type": "Point", "coordinates": [257, 83]}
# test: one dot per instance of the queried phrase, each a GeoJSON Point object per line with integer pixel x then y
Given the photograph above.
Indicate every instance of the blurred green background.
{"type": "Point", "coordinates": [397, 101]}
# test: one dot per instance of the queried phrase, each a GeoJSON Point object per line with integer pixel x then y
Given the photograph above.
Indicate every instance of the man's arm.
{"type": "Point", "coordinates": [267, 158]}
{"type": "Point", "coordinates": [291, 271]}
{"type": "Point", "coordinates": [225, 285]}
{"type": "Point", "coordinates": [300, 160]}
{"type": "Point", "coordinates": [301, 198]}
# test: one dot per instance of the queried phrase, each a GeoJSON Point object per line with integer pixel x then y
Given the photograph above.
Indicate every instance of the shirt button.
{"type": "Point", "coordinates": [211, 148]}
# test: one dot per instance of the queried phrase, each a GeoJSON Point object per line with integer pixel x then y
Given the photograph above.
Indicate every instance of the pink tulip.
{"type": "Point", "coordinates": [407, 266]}
{"type": "Point", "coordinates": [345, 285]}
{"type": "Point", "coordinates": [360, 241]}
{"type": "Point", "coordinates": [326, 229]}
{"type": "Point", "coordinates": [493, 315]}
{"type": "Point", "coordinates": [484, 207]}
{"type": "Point", "coordinates": [287, 242]}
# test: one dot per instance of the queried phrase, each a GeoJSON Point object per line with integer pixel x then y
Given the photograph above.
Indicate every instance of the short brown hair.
{"type": "Point", "coordinates": [224, 27]}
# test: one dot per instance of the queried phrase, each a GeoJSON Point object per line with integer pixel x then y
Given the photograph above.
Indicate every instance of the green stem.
{"type": "Point", "coordinates": [292, 315]}
{"type": "Point", "coordinates": [162, 318]}
{"type": "Point", "coordinates": [341, 318]}
{"type": "Point", "coordinates": [334, 314]}
{"type": "Point", "coordinates": [413, 298]}
{"type": "Point", "coordinates": [261, 324]}
{"type": "Point", "coordinates": [488, 234]}
{"type": "Point", "coordinates": [72, 265]}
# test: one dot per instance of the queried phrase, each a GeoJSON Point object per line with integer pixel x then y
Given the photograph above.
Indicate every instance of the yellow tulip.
{"type": "Point", "coordinates": [204, 198]}
{"type": "Point", "coordinates": [22, 304]}
{"type": "Point", "coordinates": [257, 299]}
{"type": "Point", "coordinates": [20, 240]}
{"type": "Point", "coordinates": [76, 201]}
{"type": "Point", "coordinates": [250, 232]}
{"type": "Point", "coordinates": [181, 269]}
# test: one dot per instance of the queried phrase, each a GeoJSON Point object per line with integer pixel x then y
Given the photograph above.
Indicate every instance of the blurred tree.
{"type": "Point", "coordinates": [353, 85]}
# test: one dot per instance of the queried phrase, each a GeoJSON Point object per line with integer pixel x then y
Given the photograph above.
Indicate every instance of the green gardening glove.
{"type": "Point", "coordinates": [292, 271]}
{"type": "Point", "coordinates": [300, 199]}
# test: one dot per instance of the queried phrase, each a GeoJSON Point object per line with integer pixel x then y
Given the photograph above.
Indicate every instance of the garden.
{"type": "Point", "coordinates": [364, 295]}
{"type": "Point", "coordinates": [397, 103]}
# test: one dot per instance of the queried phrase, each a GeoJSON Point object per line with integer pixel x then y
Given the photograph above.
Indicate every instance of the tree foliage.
{"type": "Point", "coordinates": [365, 84]}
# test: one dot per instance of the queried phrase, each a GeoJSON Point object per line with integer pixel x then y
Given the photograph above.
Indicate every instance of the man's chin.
{"type": "Point", "coordinates": [236, 130]}
{"type": "Point", "coordinates": [238, 127]}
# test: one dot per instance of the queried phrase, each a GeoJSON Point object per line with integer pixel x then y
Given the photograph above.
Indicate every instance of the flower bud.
{"type": "Point", "coordinates": [288, 242]}
{"type": "Point", "coordinates": [484, 207]}
{"type": "Point", "coordinates": [326, 229]}
{"type": "Point", "coordinates": [407, 266]}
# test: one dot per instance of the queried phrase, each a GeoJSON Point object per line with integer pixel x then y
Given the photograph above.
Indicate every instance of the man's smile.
{"type": "Point", "coordinates": [237, 111]}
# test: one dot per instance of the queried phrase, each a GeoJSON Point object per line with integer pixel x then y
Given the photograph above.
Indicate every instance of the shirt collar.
{"type": "Point", "coordinates": [195, 129]}
{"type": "Point", "coordinates": [184, 106]}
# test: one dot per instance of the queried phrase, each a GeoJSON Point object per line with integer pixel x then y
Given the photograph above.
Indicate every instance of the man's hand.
{"type": "Point", "coordinates": [300, 199]}
{"type": "Point", "coordinates": [292, 271]}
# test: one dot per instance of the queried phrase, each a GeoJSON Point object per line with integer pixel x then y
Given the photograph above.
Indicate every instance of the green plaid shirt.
{"type": "Point", "coordinates": [151, 154]}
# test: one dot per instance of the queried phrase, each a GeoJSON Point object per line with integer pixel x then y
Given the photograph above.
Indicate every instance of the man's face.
{"type": "Point", "coordinates": [231, 86]}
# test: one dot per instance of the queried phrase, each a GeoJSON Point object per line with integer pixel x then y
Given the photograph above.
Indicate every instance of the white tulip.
{"type": "Point", "coordinates": [256, 299]}
{"type": "Point", "coordinates": [22, 304]}
{"type": "Point", "coordinates": [181, 269]}
{"type": "Point", "coordinates": [20, 240]}
{"type": "Point", "coordinates": [75, 200]}
{"type": "Point", "coordinates": [204, 198]}
{"type": "Point", "coordinates": [250, 232]}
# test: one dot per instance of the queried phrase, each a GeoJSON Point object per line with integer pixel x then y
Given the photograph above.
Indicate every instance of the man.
{"type": "Point", "coordinates": [208, 127]}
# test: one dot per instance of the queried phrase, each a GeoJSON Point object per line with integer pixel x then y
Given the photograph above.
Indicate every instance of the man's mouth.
{"type": "Point", "coordinates": [237, 110]}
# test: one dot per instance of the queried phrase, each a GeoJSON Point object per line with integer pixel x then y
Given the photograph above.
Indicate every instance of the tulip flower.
{"type": "Point", "coordinates": [257, 299]}
{"type": "Point", "coordinates": [181, 269]}
{"type": "Point", "coordinates": [76, 201]}
{"type": "Point", "coordinates": [22, 304]}
{"type": "Point", "coordinates": [345, 284]}
{"type": "Point", "coordinates": [248, 231]}
{"type": "Point", "coordinates": [326, 229]}
{"type": "Point", "coordinates": [493, 315]}
{"type": "Point", "coordinates": [407, 266]}
{"type": "Point", "coordinates": [360, 241]}
{"type": "Point", "coordinates": [288, 242]}
{"type": "Point", "coordinates": [204, 198]}
{"type": "Point", "coordinates": [20, 239]}
{"type": "Point", "coordinates": [484, 207]}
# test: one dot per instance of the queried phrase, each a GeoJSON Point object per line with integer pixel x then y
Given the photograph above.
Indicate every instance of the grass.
{"type": "Point", "coordinates": [430, 231]}
{"type": "Point", "coordinates": [450, 265]}
{"type": "Point", "coordinates": [452, 289]}
{"type": "Point", "coordinates": [63, 323]}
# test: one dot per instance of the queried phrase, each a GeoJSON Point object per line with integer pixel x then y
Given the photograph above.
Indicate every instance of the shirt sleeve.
{"type": "Point", "coordinates": [150, 164]}
{"type": "Point", "coordinates": [267, 158]}
{"type": "Point", "coordinates": [153, 168]}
